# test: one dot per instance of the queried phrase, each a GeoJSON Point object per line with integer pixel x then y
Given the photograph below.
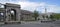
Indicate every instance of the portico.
{"type": "Point", "coordinates": [15, 16]}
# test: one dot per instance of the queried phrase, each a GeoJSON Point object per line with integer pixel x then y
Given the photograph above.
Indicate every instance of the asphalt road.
{"type": "Point", "coordinates": [26, 25]}
{"type": "Point", "coordinates": [36, 24]}
{"type": "Point", "coordinates": [29, 25]}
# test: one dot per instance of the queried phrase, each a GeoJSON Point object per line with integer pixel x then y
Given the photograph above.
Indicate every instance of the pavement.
{"type": "Point", "coordinates": [1, 23]}
{"type": "Point", "coordinates": [31, 24]}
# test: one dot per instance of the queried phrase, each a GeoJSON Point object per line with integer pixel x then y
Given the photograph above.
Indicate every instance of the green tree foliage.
{"type": "Point", "coordinates": [51, 17]}
{"type": "Point", "coordinates": [55, 16]}
{"type": "Point", "coordinates": [36, 14]}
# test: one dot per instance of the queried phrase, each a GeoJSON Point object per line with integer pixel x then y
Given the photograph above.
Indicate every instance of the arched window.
{"type": "Point", "coordinates": [13, 14]}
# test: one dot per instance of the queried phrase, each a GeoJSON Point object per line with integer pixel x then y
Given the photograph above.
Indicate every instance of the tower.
{"type": "Point", "coordinates": [45, 13]}
{"type": "Point", "coordinates": [45, 10]}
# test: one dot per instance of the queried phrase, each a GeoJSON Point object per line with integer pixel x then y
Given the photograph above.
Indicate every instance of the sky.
{"type": "Point", "coordinates": [39, 5]}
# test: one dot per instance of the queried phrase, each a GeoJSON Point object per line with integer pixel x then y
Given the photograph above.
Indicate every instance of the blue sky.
{"type": "Point", "coordinates": [39, 5]}
{"type": "Point", "coordinates": [47, 1]}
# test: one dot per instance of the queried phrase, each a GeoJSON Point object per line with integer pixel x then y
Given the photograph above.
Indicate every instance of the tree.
{"type": "Point", "coordinates": [36, 14]}
{"type": "Point", "coordinates": [51, 17]}
{"type": "Point", "coordinates": [55, 16]}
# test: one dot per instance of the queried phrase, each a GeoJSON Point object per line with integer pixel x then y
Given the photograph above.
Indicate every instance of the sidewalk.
{"type": "Point", "coordinates": [1, 23]}
{"type": "Point", "coordinates": [31, 22]}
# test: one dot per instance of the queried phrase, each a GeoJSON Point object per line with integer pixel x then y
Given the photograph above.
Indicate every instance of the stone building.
{"type": "Point", "coordinates": [13, 12]}
{"type": "Point", "coordinates": [26, 15]}
{"type": "Point", "coordinates": [2, 14]}
{"type": "Point", "coordinates": [7, 16]}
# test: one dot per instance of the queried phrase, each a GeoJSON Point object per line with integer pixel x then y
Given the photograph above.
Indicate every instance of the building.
{"type": "Point", "coordinates": [13, 12]}
{"type": "Point", "coordinates": [7, 16]}
{"type": "Point", "coordinates": [26, 15]}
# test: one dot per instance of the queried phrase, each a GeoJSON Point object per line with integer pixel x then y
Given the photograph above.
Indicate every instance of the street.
{"type": "Point", "coordinates": [36, 24]}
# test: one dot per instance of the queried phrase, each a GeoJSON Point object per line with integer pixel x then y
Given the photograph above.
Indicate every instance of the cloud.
{"type": "Point", "coordinates": [31, 6]}
{"type": "Point", "coordinates": [11, 1]}
{"type": "Point", "coordinates": [53, 8]}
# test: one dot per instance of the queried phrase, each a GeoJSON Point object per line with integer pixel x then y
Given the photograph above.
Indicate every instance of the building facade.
{"type": "Point", "coordinates": [26, 15]}
{"type": "Point", "coordinates": [13, 12]}
{"type": "Point", "coordinates": [6, 11]}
